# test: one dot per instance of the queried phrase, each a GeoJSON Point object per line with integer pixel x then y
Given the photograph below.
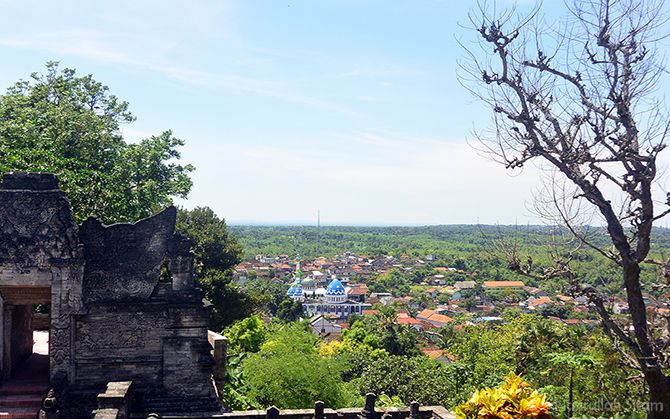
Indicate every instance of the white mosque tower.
{"type": "Point", "coordinates": [295, 291]}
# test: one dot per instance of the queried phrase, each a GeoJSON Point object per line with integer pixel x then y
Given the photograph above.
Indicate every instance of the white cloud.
{"type": "Point", "coordinates": [100, 47]}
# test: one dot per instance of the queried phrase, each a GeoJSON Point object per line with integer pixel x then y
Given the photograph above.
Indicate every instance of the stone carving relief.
{"type": "Point", "coordinates": [122, 331]}
{"type": "Point", "coordinates": [123, 261]}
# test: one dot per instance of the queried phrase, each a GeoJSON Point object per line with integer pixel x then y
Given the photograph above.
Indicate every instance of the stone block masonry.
{"type": "Point", "coordinates": [110, 318]}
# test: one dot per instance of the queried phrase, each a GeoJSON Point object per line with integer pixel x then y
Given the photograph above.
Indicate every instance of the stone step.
{"type": "Point", "coordinates": [21, 400]}
{"type": "Point", "coordinates": [18, 413]}
{"type": "Point", "coordinates": [14, 389]}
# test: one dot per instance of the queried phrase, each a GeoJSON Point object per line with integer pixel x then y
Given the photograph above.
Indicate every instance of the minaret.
{"type": "Point", "coordinates": [295, 291]}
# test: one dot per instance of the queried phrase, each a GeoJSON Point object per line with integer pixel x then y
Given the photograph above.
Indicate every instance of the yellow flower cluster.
{"type": "Point", "coordinates": [513, 400]}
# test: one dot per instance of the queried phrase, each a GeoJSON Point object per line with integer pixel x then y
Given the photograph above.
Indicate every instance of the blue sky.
{"type": "Point", "coordinates": [288, 107]}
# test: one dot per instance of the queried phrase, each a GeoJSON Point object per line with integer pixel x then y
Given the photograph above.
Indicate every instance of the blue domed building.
{"type": "Point", "coordinates": [334, 303]}
{"type": "Point", "coordinates": [336, 293]}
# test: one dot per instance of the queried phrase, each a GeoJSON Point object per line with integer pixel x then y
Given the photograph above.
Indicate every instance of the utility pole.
{"type": "Point", "coordinates": [318, 232]}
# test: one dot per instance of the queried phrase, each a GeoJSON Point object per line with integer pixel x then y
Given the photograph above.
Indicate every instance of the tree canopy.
{"type": "Point", "coordinates": [580, 97]}
{"type": "Point", "coordinates": [69, 125]}
{"type": "Point", "coordinates": [216, 253]}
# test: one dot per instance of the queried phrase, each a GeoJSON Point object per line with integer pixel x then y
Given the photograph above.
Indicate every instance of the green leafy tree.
{"type": "Point", "coordinates": [573, 362]}
{"type": "Point", "coordinates": [68, 125]}
{"type": "Point", "coordinates": [529, 345]}
{"type": "Point", "coordinates": [246, 335]}
{"type": "Point", "coordinates": [215, 248]}
{"type": "Point", "coordinates": [289, 310]}
{"type": "Point", "coordinates": [288, 372]}
{"type": "Point", "coordinates": [416, 378]}
{"type": "Point", "coordinates": [216, 253]}
{"type": "Point", "coordinates": [394, 281]}
{"type": "Point", "coordinates": [229, 303]}
{"type": "Point", "coordinates": [267, 292]}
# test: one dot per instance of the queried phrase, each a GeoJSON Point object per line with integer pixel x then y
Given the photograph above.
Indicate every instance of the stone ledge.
{"type": "Point", "coordinates": [29, 181]}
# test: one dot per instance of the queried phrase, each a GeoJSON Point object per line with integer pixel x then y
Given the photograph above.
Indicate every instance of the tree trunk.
{"type": "Point", "coordinates": [659, 396]}
{"type": "Point", "coordinates": [658, 383]}
{"type": "Point", "coordinates": [571, 407]}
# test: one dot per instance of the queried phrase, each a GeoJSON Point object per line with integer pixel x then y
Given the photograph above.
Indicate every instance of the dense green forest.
{"type": "Point", "coordinates": [438, 240]}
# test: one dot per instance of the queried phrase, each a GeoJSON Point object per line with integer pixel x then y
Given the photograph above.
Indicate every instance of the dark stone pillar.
{"type": "Point", "coordinates": [22, 334]}
{"type": "Point", "coordinates": [7, 347]}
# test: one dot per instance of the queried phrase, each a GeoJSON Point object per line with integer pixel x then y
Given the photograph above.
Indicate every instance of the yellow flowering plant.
{"type": "Point", "coordinates": [515, 399]}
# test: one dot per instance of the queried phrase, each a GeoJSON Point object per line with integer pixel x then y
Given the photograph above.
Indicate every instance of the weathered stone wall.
{"type": "Point", "coordinates": [162, 346]}
{"type": "Point", "coordinates": [40, 251]}
{"type": "Point", "coordinates": [132, 328]}
{"type": "Point", "coordinates": [36, 223]}
{"type": "Point", "coordinates": [123, 261]}
{"type": "Point", "coordinates": [110, 319]}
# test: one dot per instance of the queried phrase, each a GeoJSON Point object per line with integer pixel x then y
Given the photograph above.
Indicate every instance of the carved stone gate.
{"type": "Point", "coordinates": [40, 262]}
{"type": "Point", "coordinates": [111, 318]}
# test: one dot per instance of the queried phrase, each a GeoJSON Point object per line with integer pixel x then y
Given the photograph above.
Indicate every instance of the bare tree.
{"type": "Point", "coordinates": [580, 97]}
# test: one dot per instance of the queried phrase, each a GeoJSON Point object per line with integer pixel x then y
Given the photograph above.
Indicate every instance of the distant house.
{"type": "Point", "coordinates": [536, 292]}
{"type": "Point", "coordinates": [620, 308]}
{"type": "Point", "coordinates": [404, 318]}
{"type": "Point", "coordinates": [563, 298]}
{"type": "Point", "coordinates": [434, 318]}
{"type": "Point", "coordinates": [438, 280]}
{"type": "Point", "coordinates": [503, 285]}
{"type": "Point", "coordinates": [436, 354]}
{"type": "Point", "coordinates": [432, 292]}
{"type": "Point", "coordinates": [464, 285]}
{"type": "Point", "coordinates": [323, 326]}
{"type": "Point", "coordinates": [538, 303]}
{"type": "Point", "coordinates": [581, 300]}
{"type": "Point", "coordinates": [358, 294]}
{"type": "Point", "coordinates": [489, 319]}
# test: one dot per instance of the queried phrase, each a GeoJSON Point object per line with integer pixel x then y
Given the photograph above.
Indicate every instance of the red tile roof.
{"type": "Point", "coordinates": [440, 318]}
{"type": "Point", "coordinates": [432, 353]}
{"type": "Point", "coordinates": [425, 314]}
{"type": "Point", "coordinates": [433, 317]}
{"type": "Point", "coordinates": [539, 301]}
{"type": "Point", "coordinates": [407, 320]}
{"type": "Point", "coordinates": [503, 284]}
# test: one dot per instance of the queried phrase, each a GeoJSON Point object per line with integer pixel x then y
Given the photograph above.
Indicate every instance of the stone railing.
{"type": "Point", "coordinates": [414, 411]}
{"type": "Point", "coordinates": [114, 403]}
{"type": "Point", "coordinates": [220, 352]}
